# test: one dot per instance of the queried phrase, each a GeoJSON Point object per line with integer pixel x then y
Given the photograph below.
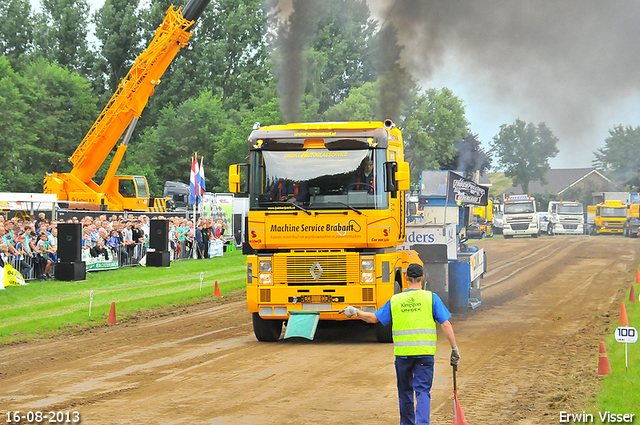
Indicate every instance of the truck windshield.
{"type": "Point", "coordinates": [570, 209]}
{"type": "Point", "coordinates": [319, 179]}
{"type": "Point", "coordinates": [519, 208]}
{"type": "Point", "coordinates": [613, 212]}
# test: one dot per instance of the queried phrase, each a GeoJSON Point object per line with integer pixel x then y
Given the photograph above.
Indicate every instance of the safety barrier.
{"type": "Point", "coordinates": [125, 256]}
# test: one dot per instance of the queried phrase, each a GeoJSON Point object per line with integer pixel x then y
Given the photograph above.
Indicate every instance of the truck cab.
{"type": "Point", "coordinates": [565, 218]}
{"type": "Point", "coordinates": [520, 217]}
{"type": "Point", "coordinates": [610, 217]}
{"type": "Point", "coordinates": [326, 211]}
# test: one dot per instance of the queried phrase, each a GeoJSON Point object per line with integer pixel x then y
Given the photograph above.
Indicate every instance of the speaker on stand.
{"type": "Point", "coordinates": [70, 266]}
{"type": "Point", "coordinates": [158, 254]}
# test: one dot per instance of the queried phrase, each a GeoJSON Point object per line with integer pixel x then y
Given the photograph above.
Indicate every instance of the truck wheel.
{"type": "Point", "coordinates": [535, 235]}
{"type": "Point", "coordinates": [508, 236]}
{"type": "Point", "coordinates": [383, 333]}
{"type": "Point", "coordinates": [266, 330]}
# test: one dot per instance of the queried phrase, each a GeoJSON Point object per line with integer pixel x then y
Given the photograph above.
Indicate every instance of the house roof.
{"type": "Point", "coordinates": [558, 180]}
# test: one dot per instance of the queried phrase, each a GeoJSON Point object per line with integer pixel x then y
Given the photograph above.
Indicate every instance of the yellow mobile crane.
{"type": "Point", "coordinates": [124, 193]}
{"type": "Point", "coordinates": [326, 213]}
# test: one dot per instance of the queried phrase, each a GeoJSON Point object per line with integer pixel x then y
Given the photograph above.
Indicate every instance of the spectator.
{"type": "Point", "coordinates": [199, 241]}
{"type": "Point", "coordinates": [21, 252]}
{"type": "Point", "coordinates": [43, 251]}
{"type": "Point", "coordinates": [100, 247]}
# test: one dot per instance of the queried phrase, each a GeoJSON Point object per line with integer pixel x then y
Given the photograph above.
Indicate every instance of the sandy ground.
{"type": "Point", "coordinates": [529, 352]}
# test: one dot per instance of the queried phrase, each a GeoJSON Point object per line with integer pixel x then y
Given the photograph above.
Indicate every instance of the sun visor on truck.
{"type": "Point", "coordinates": [333, 139]}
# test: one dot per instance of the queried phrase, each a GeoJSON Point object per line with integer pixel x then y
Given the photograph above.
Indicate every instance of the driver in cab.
{"type": "Point", "coordinates": [364, 178]}
{"type": "Point", "coordinates": [286, 190]}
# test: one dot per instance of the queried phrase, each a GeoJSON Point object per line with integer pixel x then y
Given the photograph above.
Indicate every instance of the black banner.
{"type": "Point", "coordinates": [466, 191]}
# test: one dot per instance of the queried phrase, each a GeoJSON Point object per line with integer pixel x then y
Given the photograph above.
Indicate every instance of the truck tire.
{"type": "Point", "coordinates": [266, 330]}
{"type": "Point", "coordinates": [384, 333]}
{"type": "Point", "coordinates": [508, 236]}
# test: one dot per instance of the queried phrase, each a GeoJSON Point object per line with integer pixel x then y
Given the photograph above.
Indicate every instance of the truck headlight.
{"type": "Point", "coordinates": [368, 277]}
{"type": "Point", "coordinates": [265, 266]}
{"type": "Point", "coordinates": [368, 265]}
{"type": "Point", "coordinates": [265, 278]}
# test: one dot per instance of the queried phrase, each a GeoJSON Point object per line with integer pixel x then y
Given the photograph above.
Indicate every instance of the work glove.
{"type": "Point", "coordinates": [349, 311]}
{"type": "Point", "coordinates": [455, 356]}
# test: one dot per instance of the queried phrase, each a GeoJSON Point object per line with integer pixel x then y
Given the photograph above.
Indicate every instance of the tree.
{"type": "Point", "coordinates": [620, 156]}
{"type": "Point", "coordinates": [16, 30]}
{"type": "Point", "coordinates": [361, 105]}
{"type": "Point", "coordinates": [195, 126]}
{"type": "Point", "coordinates": [15, 129]}
{"type": "Point", "coordinates": [470, 157]}
{"type": "Point", "coordinates": [344, 35]}
{"type": "Point", "coordinates": [62, 110]}
{"type": "Point", "coordinates": [61, 31]}
{"type": "Point", "coordinates": [118, 30]}
{"type": "Point", "coordinates": [433, 121]}
{"type": "Point", "coordinates": [523, 151]}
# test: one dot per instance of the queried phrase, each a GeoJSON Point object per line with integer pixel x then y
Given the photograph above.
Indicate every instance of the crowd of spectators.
{"type": "Point", "coordinates": [30, 245]}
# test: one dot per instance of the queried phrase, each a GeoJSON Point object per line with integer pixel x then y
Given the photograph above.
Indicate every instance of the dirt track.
{"type": "Point", "coordinates": [528, 352]}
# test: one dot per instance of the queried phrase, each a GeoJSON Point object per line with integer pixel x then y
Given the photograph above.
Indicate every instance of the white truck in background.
{"type": "Point", "coordinates": [565, 218]}
{"type": "Point", "coordinates": [520, 217]}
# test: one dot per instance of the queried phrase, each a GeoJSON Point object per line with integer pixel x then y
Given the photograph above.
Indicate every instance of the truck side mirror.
{"type": "Point", "coordinates": [397, 176]}
{"type": "Point", "coordinates": [238, 178]}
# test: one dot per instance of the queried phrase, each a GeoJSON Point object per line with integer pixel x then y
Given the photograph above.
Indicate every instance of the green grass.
{"type": "Point", "coordinates": [45, 307]}
{"type": "Point", "coordinates": [499, 183]}
{"type": "Point", "coordinates": [620, 390]}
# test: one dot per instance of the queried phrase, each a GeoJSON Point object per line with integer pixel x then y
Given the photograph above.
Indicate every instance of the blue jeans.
{"type": "Point", "coordinates": [414, 374]}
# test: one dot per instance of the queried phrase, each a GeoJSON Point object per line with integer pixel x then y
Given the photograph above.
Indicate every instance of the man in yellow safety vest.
{"type": "Point", "coordinates": [414, 314]}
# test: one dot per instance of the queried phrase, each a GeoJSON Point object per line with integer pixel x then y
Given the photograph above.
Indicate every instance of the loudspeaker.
{"type": "Point", "coordinates": [69, 242]}
{"type": "Point", "coordinates": [158, 259]}
{"type": "Point", "coordinates": [73, 270]}
{"type": "Point", "coordinates": [159, 235]}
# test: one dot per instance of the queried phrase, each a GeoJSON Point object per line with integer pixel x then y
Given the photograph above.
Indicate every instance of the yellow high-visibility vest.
{"type": "Point", "coordinates": [414, 329]}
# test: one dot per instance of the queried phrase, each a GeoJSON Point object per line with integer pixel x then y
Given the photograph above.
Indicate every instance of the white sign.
{"type": "Point", "coordinates": [201, 279]}
{"type": "Point", "coordinates": [626, 334]}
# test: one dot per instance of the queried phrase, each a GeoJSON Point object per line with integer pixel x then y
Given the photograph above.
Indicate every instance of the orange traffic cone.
{"type": "Point", "coordinates": [112, 314]}
{"type": "Point", "coordinates": [604, 368]}
{"type": "Point", "coordinates": [458, 414]}
{"type": "Point", "coordinates": [637, 275]}
{"type": "Point", "coordinates": [216, 291]}
{"type": "Point", "coordinates": [632, 294]}
{"type": "Point", "coordinates": [623, 315]}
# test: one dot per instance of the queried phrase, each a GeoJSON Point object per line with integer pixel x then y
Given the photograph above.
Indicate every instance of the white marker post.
{"type": "Point", "coordinates": [627, 335]}
{"type": "Point", "coordinates": [90, 302]}
{"type": "Point", "coordinates": [201, 278]}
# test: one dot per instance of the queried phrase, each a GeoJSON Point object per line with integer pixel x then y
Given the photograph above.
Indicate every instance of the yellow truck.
{"type": "Point", "coordinates": [326, 213]}
{"type": "Point", "coordinates": [608, 217]}
{"type": "Point", "coordinates": [124, 193]}
{"type": "Point", "coordinates": [482, 226]}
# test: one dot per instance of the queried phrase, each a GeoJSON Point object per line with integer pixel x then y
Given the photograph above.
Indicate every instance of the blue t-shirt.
{"type": "Point", "coordinates": [440, 312]}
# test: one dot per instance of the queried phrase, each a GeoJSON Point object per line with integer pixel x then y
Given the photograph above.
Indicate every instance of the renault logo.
{"type": "Point", "coordinates": [312, 270]}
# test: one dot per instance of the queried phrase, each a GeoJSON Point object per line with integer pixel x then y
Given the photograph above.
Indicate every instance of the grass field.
{"type": "Point", "coordinates": [620, 390]}
{"type": "Point", "coordinates": [45, 307]}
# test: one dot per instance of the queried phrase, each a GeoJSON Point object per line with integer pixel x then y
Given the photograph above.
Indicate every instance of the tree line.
{"type": "Point", "coordinates": [55, 78]}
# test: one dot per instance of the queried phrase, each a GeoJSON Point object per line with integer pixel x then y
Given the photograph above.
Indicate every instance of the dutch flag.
{"type": "Point", "coordinates": [193, 181]}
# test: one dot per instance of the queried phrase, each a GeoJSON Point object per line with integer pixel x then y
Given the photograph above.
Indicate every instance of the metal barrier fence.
{"type": "Point", "coordinates": [126, 256]}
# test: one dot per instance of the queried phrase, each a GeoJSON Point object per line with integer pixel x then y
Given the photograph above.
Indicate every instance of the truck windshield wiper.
{"type": "Point", "coordinates": [342, 203]}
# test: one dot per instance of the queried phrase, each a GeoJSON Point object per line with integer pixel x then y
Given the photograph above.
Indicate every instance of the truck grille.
{"type": "Point", "coordinates": [519, 226]}
{"type": "Point", "coordinates": [296, 269]}
{"type": "Point", "coordinates": [570, 226]}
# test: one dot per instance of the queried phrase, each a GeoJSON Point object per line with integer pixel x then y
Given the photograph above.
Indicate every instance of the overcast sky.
{"type": "Point", "coordinates": [573, 64]}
